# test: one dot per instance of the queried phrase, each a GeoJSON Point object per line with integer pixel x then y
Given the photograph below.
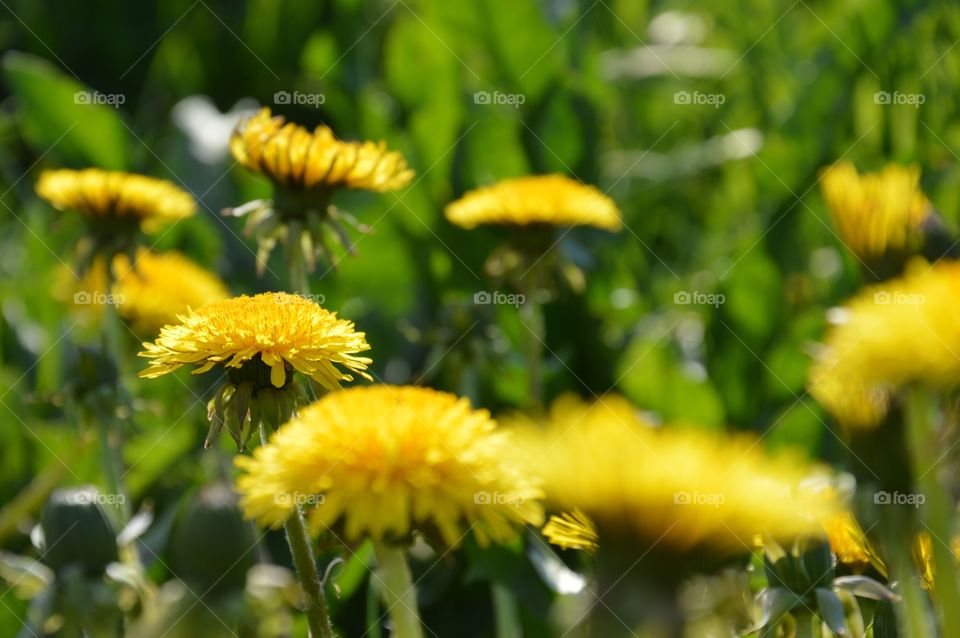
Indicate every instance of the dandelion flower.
{"type": "Point", "coordinates": [875, 212]}
{"type": "Point", "coordinates": [292, 156]}
{"type": "Point", "coordinates": [111, 198]}
{"type": "Point", "coordinates": [850, 544]}
{"type": "Point", "coordinates": [889, 335]}
{"type": "Point", "coordinates": [572, 530]}
{"type": "Point", "coordinates": [286, 332]}
{"type": "Point", "coordinates": [158, 287]}
{"type": "Point", "coordinates": [306, 169]}
{"type": "Point", "coordinates": [680, 487]}
{"type": "Point", "coordinates": [552, 200]}
{"type": "Point", "coordinates": [386, 460]}
{"type": "Point", "coordinates": [149, 292]}
{"type": "Point", "coordinates": [923, 557]}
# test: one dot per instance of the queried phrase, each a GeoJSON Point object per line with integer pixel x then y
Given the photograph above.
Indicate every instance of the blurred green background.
{"type": "Point", "coordinates": [706, 122]}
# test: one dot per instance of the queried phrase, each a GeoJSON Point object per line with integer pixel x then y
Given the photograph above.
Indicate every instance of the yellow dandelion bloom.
{"type": "Point", "coordinates": [292, 156]}
{"type": "Point", "coordinates": [544, 199]}
{"type": "Point", "coordinates": [682, 487]}
{"type": "Point", "coordinates": [149, 292]}
{"type": "Point", "coordinates": [572, 530]}
{"type": "Point", "coordinates": [875, 212]}
{"type": "Point", "coordinates": [116, 197]}
{"type": "Point", "coordinates": [891, 334]}
{"type": "Point", "coordinates": [156, 288]}
{"type": "Point", "coordinates": [850, 544]}
{"type": "Point", "coordinates": [286, 332]}
{"type": "Point", "coordinates": [385, 460]}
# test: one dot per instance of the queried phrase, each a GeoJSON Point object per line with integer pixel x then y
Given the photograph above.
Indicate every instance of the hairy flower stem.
{"type": "Point", "coordinates": [398, 591]}
{"type": "Point", "coordinates": [318, 619]}
{"type": "Point", "coordinates": [938, 514]}
{"type": "Point", "coordinates": [531, 315]}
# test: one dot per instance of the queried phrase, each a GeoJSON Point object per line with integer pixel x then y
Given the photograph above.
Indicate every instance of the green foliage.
{"type": "Point", "coordinates": [706, 211]}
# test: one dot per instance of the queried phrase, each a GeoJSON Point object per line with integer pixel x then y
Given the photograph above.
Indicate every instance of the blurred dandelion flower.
{"type": "Point", "coordinates": [306, 169]}
{"type": "Point", "coordinates": [261, 341]}
{"type": "Point", "coordinates": [875, 212]}
{"type": "Point", "coordinates": [685, 487]}
{"type": "Point", "coordinates": [158, 287]}
{"type": "Point", "coordinates": [386, 460]}
{"type": "Point", "coordinates": [149, 292]}
{"type": "Point", "coordinates": [889, 335]}
{"type": "Point", "coordinates": [850, 544]}
{"type": "Point", "coordinates": [923, 556]}
{"type": "Point", "coordinates": [552, 200]}
{"type": "Point", "coordinates": [111, 198]}
{"type": "Point", "coordinates": [571, 530]}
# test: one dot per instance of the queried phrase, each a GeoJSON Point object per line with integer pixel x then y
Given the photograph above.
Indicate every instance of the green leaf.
{"type": "Point", "coordinates": [56, 115]}
{"type": "Point", "coordinates": [831, 611]}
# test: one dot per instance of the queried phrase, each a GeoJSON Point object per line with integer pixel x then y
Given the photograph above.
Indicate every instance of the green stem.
{"type": "Point", "coordinates": [113, 468]}
{"type": "Point", "coordinates": [912, 611]}
{"type": "Point", "coordinates": [398, 591]}
{"type": "Point", "coordinates": [531, 313]}
{"type": "Point", "coordinates": [938, 513]}
{"type": "Point", "coordinates": [505, 612]}
{"type": "Point", "coordinates": [318, 619]}
{"type": "Point", "coordinates": [807, 626]}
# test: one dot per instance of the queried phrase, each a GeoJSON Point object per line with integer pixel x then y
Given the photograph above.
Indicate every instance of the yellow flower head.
{"type": "Point", "coordinates": [292, 156]}
{"type": "Point", "coordinates": [850, 544]}
{"type": "Point", "coordinates": [285, 331]}
{"type": "Point", "coordinates": [385, 460]}
{"type": "Point", "coordinates": [875, 212]}
{"type": "Point", "coordinates": [115, 197]}
{"type": "Point", "coordinates": [891, 334]}
{"type": "Point", "coordinates": [150, 292]}
{"type": "Point", "coordinates": [685, 488]}
{"type": "Point", "coordinates": [158, 287]}
{"type": "Point", "coordinates": [544, 199]}
{"type": "Point", "coordinates": [572, 530]}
